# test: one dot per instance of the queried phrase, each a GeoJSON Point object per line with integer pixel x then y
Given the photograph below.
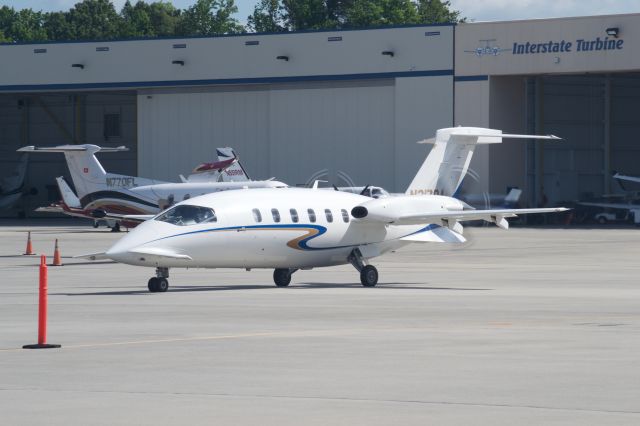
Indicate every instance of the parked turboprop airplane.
{"type": "Point", "coordinates": [302, 228]}
{"type": "Point", "coordinates": [121, 194]}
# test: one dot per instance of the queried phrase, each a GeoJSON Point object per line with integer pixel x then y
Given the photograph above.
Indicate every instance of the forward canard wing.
{"type": "Point", "coordinates": [160, 253]}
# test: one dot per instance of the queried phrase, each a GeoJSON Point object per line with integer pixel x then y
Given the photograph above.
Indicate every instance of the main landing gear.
{"type": "Point", "coordinates": [282, 277]}
{"type": "Point", "coordinates": [368, 273]}
{"type": "Point", "coordinates": [159, 283]}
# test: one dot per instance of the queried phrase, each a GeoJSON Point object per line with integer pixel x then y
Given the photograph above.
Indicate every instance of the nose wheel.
{"type": "Point", "coordinates": [282, 277]}
{"type": "Point", "coordinates": [159, 283]}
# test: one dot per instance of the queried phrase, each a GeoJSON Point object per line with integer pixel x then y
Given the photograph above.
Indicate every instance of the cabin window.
{"type": "Point", "coordinates": [329, 215]}
{"type": "Point", "coordinates": [257, 216]}
{"type": "Point", "coordinates": [312, 215]}
{"type": "Point", "coordinates": [345, 215]}
{"type": "Point", "coordinates": [294, 215]}
{"type": "Point", "coordinates": [184, 214]}
{"type": "Point", "coordinates": [276, 215]}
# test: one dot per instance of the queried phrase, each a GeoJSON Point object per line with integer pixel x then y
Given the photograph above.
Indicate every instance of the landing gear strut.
{"type": "Point", "coordinates": [282, 277]}
{"type": "Point", "coordinates": [368, 273]}
{"type": "Point", "coordinates": [159, 283]}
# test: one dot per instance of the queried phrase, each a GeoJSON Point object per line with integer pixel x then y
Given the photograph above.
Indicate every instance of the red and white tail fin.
{"type": "Point", "coordinates": [235, 172]}
{"type": "Point", "coordinates": [446, 165]}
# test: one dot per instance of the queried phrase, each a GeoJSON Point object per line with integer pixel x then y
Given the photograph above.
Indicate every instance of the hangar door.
{"type": "Point", "coordinates": [597, 116]}
{"type": "Point", "coordinates": [335, 131]}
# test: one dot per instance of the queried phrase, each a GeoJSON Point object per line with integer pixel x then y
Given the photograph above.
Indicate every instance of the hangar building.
{"type": "Point", "coordinates": [343, 106]}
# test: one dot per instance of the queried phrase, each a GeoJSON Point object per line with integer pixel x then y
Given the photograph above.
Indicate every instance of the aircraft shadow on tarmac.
{"type": "Point", "coordinates": [240, 287]}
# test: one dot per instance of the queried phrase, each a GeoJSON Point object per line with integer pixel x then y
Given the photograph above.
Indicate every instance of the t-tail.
{"type": "Point", "coordinates": [448, 162]}
{"type": "Point", "coordinates": [87, 173]}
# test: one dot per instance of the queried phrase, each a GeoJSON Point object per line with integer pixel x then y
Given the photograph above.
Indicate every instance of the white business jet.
{"type": "Point", "coordinates": [121, 194]}
{"type": "Point", "coordinates": [303, 228]}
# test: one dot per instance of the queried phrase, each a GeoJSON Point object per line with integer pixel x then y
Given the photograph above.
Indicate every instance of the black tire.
{"type": "Point", "coordinates": [369, 276]}
{"type": "Point", "coordinates": [162, 285]}
{"type": "Point", "coordinates": [153, 285]}
{"type": "Point", "coordinates": [282, 277]}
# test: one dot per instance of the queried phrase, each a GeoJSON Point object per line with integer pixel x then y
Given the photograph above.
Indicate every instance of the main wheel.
{"type": "Point", "coordinates": [153, 285]}
{"type": "Point", "coordinates": [163, 285]}
{"type": "Point", "coordinates": [282, 277]}
{"type": "Point", "coordinates": [369, 276]}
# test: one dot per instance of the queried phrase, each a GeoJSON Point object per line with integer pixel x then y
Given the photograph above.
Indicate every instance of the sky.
{"type": "Point", "coordinates": [474, 10]}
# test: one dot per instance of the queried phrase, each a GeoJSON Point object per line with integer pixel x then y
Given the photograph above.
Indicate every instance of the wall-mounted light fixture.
{"type": "Point", "coordinates": [181, 63]}
{"type": "Point", "coordinates": [283, 58]}
{"type": "Point", "coordinates": [388, 53]}
{"type": "Point", "coordinates": [81, 66]}
{"type": "Point", "coordinates": [613, 32]}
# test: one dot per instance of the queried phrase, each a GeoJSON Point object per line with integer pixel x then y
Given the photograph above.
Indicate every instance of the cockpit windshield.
{"type": "Point", "coordinates": [187, 215]}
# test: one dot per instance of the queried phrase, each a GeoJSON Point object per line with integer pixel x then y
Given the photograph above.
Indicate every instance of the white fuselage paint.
{"type": "Point", "coordinates": [237, 240]}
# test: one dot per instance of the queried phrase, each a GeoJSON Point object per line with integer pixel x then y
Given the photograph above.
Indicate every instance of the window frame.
{"type": "Point", "coordinates": [312, 215]}
{"type": "Point", "coordinates": [275, 215]}
{"type": "Point", "coordinates": [345, 215]}
{"type": "Point", "coordinates": [257, 215]}
{"type": "Point", "coordinates": [295, 218]}
{"type": "Point", "coordinates": [328, 214]}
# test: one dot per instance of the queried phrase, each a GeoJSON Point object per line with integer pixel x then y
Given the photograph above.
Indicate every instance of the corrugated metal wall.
{"type": "Point", "coordinates": [343, 132]}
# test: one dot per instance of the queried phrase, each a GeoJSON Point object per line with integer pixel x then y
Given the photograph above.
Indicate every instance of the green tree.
{"type": "Point", "coordinates": [94, 19]}
{"type": "Point", "coordinates": [437, 11]}
{"type": "Point", "coordinates": [7, 16]}
{"type": "Point", "coordinates": [373, 13]}
{"type": "Point", "coordinates": [267, 17]}
{"type": "Point", "coordinates": [310, 14]}
{"type": "Point", "coordinates": [164, 18]}
{"type": "Point", "coordinates": [57, 27]}
{"type": "Point", "coordinates": [210, 17]}
{"type": "Point", "coordinates": [136, 21]}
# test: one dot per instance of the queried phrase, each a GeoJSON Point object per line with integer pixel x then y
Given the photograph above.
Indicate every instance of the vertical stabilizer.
{"type": "Point", "coordinates": [235, 172]}
{"type": "Point", "coordinates": [68, 196]}
{"type": "Point", "coordinates": [446, 165]}
{"type": "Point", "coordinates": [87, 173]}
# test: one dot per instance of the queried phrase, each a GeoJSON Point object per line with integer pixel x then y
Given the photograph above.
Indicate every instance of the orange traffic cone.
{"type": "Point", "coordinates": [29, 250]}
{"type": "Point", "coordinates": [56, 256]}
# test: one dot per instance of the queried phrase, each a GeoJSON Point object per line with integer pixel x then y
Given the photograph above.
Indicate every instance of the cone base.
{"type": "Point", "coordinates": [42, 346]}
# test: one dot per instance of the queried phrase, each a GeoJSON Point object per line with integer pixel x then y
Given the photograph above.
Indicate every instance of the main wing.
{"type": "Point", "coordinates": [451, 218]}
{"type": "Point", "coordinates": [411, 210]}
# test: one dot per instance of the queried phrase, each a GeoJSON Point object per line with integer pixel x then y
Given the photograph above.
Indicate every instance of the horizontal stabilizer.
{"type": "Point", "coordinates": [72, 148]}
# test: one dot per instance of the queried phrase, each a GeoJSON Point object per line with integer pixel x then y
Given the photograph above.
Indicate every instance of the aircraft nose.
{"type": "Point", "coordinates": [142, 234]}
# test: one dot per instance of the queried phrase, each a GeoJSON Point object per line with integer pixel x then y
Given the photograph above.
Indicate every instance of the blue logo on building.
{"type": "Point", "coordinates": [487, 48]}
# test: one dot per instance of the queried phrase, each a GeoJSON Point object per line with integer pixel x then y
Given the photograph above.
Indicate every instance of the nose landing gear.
{"type": "Point", "coordinates": [282, 277]}
{"type": "Point", "coordinates": [159, 283]}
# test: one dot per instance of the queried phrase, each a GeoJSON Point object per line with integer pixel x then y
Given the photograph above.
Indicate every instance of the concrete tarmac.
{"type": "Point", "coordinates": [526, 327]}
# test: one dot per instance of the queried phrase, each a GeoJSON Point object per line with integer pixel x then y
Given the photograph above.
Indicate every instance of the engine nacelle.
{"type": "Point", "coordinates": [389, 210]}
